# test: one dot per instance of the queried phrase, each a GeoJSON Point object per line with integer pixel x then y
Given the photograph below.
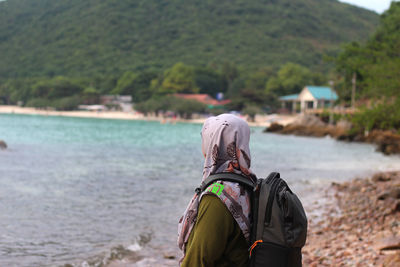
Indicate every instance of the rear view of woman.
{"type": "Point", "coordinates": [215, 228]}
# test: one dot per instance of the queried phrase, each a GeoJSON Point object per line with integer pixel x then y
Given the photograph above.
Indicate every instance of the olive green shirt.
{"type": "Point", "coordinates": [216, 239]}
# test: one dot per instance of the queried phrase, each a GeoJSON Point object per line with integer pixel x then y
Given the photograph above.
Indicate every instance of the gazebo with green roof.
{"type": "Point", "coordinates": [311, 97]}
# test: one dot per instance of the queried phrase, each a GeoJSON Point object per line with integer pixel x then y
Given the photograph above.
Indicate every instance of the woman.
{"type": "Point", "coordinates": [215, 228]}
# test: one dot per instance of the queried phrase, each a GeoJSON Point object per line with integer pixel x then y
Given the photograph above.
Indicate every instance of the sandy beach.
{"type": "Point", "coordinates": [260, 120]}
{"type": "Point", "coordinates": [77, 113]}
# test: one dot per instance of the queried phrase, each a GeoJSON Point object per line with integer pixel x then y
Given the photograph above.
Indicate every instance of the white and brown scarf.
{"type": "Point", "coordinates": [225, 145]}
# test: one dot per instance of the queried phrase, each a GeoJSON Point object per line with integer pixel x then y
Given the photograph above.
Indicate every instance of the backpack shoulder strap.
{"type": "Point", "coordinates": [225, 176]}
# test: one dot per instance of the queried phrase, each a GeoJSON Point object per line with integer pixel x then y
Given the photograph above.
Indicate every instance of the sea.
{"type": "Point", "coordinates": [98, 192]}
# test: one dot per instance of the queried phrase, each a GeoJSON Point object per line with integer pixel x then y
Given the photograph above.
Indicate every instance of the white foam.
{"type": "Point", "coordinates": [134, 247]}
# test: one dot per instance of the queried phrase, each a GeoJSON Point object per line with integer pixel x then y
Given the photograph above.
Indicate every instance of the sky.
{"type": "Point", "coordinates": [376, 5]}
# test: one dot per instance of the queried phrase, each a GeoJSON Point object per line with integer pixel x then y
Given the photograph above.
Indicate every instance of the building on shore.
{"type": "Point", "coordinates": [205, 99]}
{"type": "Point", "coordinates": [117, 102]}
{"type": "Point", "coordinates": [310, 98]}
{"type": "Point", "coordinates": [97, 108]}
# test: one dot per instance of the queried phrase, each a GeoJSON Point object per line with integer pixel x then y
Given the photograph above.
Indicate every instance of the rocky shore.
{"type": "Point", "coordinates": [387, 142]}
{"type": "Point", "coordinates": [361, 227]}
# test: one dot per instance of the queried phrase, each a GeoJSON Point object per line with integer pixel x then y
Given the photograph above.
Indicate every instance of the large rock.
{"type": "Point", "coordinates": [392, 260]}
{"type": "Point", "coordinates": [388, 243]}
{"type": "Point", "coordinates": [308, 120]}
{"type": "Point", "coordinates": [396, 207]}
{"type": "Point", "coordinates": [309, 125]}
{"type": "Point", "coordinates": [344, 124]}
{"type": "Point", "coordinates": [395, 193]}
{"type": "Point", "coordinates": [384, 176]}
{"type": "Point", "coordinates": [274, 127]}
{"type": "Point", "coordinates": [391, 193]}
{"type": "Point", "coordinates": [3, 145]}
{"type": "Point", "coordinates": [304, 130]}
{"type": "Point", "coordinates": [388, 142]}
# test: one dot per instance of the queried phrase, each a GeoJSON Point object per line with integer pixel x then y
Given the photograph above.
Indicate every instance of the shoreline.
{"type": "Point", "coordinates": [386, 141]}
{"type": "Point", "coordinates": [260, 120]}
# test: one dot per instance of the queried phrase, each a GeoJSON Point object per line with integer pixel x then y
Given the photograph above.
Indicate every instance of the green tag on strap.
{"type": "Point", "coordinates": [216, 188]}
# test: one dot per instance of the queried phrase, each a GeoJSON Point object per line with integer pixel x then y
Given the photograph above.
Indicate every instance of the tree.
{"type": "Point", "coordinates": [63, 87]}
{"type": "Point", "coordinates": [179, 79]}
{"type": "Point", "coordinates": [249, 90]}
{"type": "Point", "coordinates": [185, 108]}
{"type": "Point", "coordinates": [291, 78]}
{"type": "Point", "coordinates": [90, 96]}
{"type": "Point", "coordinates": [251, 111]}
{"type": "Point", "coordinates": [257, 80]}
{"type": "Point", "coordinates": [66, 103]}
{"type": "Point", "coordinates": [377, 63]}
{"type": "Point", "coordinates": [135, 84]}
{"type": "Point", "coordinates": [15, 90]}
{"type": "Point", "coordinates": [349, 63]}
{"type": "Point", "coordinates": [124, 84]}
{"type": "Point", "coordinates": [208, 81]}
{"type": "Point", "coordinates": [57, 87]}
{"type": "Point", "coordinates": [229, 72]}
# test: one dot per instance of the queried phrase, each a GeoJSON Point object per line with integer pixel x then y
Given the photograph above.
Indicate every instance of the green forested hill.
{"type": "Point", "coordinates": [84, 38]}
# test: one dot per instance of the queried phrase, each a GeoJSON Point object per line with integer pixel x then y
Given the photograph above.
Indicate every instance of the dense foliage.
{"type": "Point", "coordinates": [291, 78]}
{"type": "Point", "coordinates": [383, 116]}
{"type": "Point", "coordinates": [75, 38]}
{"type": "Point", "coordinates": [182, 107]}
{"type": "Point", "coordinates": [377, 68]}
{"type": "Point", "coordinates": [252, 92]}
{"type": "Point", "coordinates": [375, 64]}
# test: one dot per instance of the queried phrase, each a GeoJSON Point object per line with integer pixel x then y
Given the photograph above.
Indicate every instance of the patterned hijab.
{"type": "Point", "coordinates": [225, 145]}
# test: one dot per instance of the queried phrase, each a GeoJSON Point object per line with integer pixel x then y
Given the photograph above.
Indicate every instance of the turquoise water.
{"type": "Point", "coordinates": [71, 189]}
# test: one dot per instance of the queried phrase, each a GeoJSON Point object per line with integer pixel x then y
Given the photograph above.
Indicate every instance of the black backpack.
{"type": "Point", "coordinates": [279, 223]}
